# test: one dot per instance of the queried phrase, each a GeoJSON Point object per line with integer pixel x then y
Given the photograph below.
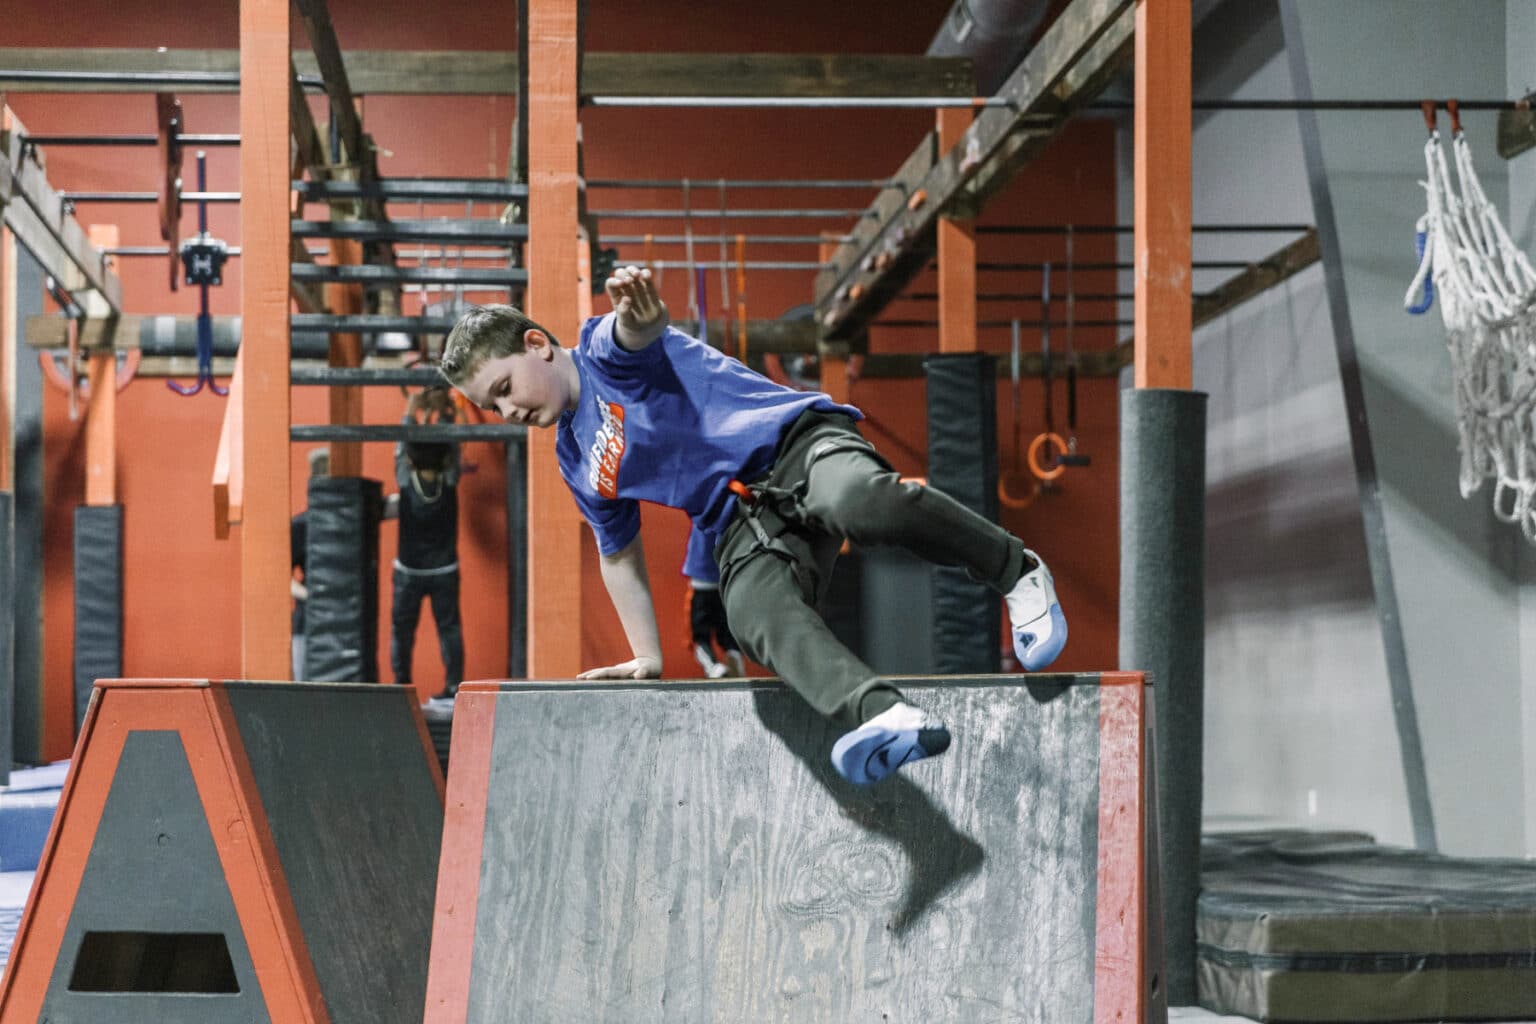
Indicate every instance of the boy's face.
{"type": "Point", "coordinates": [525, 387]}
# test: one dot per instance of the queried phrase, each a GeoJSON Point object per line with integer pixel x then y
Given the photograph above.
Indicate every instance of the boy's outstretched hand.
{"type": "Point", "coordinates": [635, 668]}
{"type": "Point", "coordinates": [641, 315]}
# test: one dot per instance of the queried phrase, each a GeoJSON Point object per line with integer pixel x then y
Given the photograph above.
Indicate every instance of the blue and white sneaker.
{"type": "Point", "coordinates": [892, 738]}
{"type": "Point", "coordinates": [1039, 628]}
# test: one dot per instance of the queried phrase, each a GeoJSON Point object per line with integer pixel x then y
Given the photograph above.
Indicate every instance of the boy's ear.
{"type": "Point", "coordinates": [537, 343]}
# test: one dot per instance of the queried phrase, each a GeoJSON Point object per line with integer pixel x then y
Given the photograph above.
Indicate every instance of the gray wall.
{"type": "Point", "coordinates": [1520, 78]}
{"type": "Point", "coordinates": [1300, 715]}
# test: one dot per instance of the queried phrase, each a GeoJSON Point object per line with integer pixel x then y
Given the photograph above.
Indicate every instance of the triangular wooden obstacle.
{"type": "Point", "coordinates": [679, 851]}
{"type": "Point", "coordinates": [235, 851]}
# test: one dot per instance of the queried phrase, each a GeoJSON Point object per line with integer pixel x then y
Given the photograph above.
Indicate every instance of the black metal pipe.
{"type": "Point", "coordinates": [145, 81]}
{"type": "Point", "coordinates": [128, 140]}
{"type": "Point", "coordinates": [1125, 229]}
{"type": "Point", "coordinates": [708, 184]}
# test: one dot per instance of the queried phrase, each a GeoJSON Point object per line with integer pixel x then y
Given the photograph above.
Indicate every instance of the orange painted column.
{"type": "Point", "coordinates": [101, 412]}
{"type": "Point", "coordinates": [554, 525]}
{"type": "Point", "coordinates": [7, 355]}
{"type": "Point", "coordinates": [264, 352]}
{"type": "Point", "coordinates": [346, 350]}
{"type": "Point", "coordinates": [834, 369]}
{"type": "Point", "coordinates": [1164, 315]}
{"type": "Point", "coordinates": [957, 254]}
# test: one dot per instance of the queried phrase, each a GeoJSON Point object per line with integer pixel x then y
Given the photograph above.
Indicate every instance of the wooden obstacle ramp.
{"type": "Point", "coordinates": [678, 852]}
{"type": "Point", "coordinates": [235, 852]}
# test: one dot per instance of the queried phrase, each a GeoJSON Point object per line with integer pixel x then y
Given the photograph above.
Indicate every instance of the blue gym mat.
{"type": "Point", "coordinates": [27, 807]}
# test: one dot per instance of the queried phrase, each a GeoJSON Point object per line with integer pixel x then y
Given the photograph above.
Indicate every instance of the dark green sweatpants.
{"type": "Point", "coordinates": [776, 556]}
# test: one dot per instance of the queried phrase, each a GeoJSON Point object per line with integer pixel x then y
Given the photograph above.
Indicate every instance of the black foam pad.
{"type": "Point", "coordinates": [962, 462]}
{"type": "Point", "coordinates": [98, 599]}
{"type": "Point", "coordinates": [341, 570]}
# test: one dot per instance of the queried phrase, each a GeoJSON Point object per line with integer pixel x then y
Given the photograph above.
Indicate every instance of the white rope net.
{"type": "Point", "coordinates": [1487, 295]}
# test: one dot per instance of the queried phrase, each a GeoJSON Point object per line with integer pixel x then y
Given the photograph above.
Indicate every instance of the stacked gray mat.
{"type": "Point", "coordinates": [98, 599]}
{"type": "Point", "coordinates": [1329, 926]}
{"type": "Point", "coordinates": [341, 570]}
{"type": "Point", "coordinates": [962, 462]}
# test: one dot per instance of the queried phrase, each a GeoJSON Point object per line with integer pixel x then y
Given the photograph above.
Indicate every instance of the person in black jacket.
{"type": "Point", "coordinates": [427, 562]}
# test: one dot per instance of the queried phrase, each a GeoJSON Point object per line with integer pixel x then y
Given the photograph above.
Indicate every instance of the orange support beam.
{"type": "Point", "coordinates": [264, 395]}
{"type": "Point", "coordinates": [834, 369]}
{"type": "Point", "coordinates": [957, 254]}
{"type": "Point", "coordinates": [101, 412]}
{"type": "Point", "coordinates": [8, 340]}
{"type": "Point", "coordinates": [554, 526]}
{"type": "Point", "coordinates": [1164, 313]}
{"type": "Point", "coordinates": [346, 350]}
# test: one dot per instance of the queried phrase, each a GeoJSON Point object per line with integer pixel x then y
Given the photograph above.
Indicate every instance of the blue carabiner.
{"type": "Point", "coordinates": [1420, 239]}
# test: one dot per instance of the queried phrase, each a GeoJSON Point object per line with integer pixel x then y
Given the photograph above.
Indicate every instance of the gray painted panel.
{"type": "Point", "coordinates": [1520, 47]}
{"type": "Point", "coordinates": [357, 822]}
{"type": "Point", "coordinates": [153, 868]}
{"type": "Point", "coordinates": [1452, 565]}
{"type": "Point", "coordinates": [657, 853]}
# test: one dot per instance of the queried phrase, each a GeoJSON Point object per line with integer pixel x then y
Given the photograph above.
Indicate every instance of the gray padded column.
{"type": "Point", "coordinates": [1162, 631]}
{"type": "Point", "coordinates": [98, 600]}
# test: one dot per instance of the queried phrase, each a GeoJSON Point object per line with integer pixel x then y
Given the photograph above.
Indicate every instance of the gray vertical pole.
{"type": "Point", "coordinates": [1162, 631]}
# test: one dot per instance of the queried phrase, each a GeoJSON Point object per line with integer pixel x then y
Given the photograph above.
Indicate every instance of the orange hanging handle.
{"type": "Point", "coordinates": [1017, 502]}
{"type": "Point", "coordinates": [1037, 446]}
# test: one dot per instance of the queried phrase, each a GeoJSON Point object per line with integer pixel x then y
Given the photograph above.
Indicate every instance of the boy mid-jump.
{"type": "Point", "coordinates": [779, 477]}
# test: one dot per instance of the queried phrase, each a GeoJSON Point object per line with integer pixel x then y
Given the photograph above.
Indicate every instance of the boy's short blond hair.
{"type": "Point", "coordinates": [485, 332]}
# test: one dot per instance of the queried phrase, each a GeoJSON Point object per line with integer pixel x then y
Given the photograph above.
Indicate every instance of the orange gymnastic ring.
{"type": "Point", "coordinates": [1035, 446]}
{"type": "Point", "coordinates": [1013, 501]}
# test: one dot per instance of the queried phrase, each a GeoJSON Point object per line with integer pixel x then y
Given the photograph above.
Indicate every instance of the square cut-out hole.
{"type": "Point", "coordinates": [175, 963]}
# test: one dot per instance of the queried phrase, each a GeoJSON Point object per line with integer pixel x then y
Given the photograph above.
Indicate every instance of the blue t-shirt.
{"type": "Point", "coordinates": [672, 424]}
{"type": "Point", "coordinates": [699, 558]}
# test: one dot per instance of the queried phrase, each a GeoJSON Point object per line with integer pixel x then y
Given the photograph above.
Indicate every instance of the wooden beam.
{"type": "Point", "coordinates": [1284, 263]}
{"type": "Point", "coordinates": [957, 255]}
{"type": "Point", "coordinates": [346, 350]}
{"type": "Point", "coordinates": [1517, 132]}
{"type": "Point", "coordinates": [310, 150]}
{"type": "Point", "coordinates": [43, 223]}
{"type": "Point", "coordinates": [1105, 60]}
{"type": "Point", "coordinates": [554, 526]}
{"type": "Point", "coordinates": [493, 72]}
{"type": "Point", "coordinates": [1163, 126]}
{"type": "Point", "coordinates": [50, 331]}
{"type": "Point", "coordinates": [1260, 277]}
{"type": "Point", "coordinates": [1050, 82]}
{"type": "Point", "coordinates": [264, 397]}
{"type": "Point", "coordinates": [333, 70]}
{"type": "Point", "coordinates": [775, 74]}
